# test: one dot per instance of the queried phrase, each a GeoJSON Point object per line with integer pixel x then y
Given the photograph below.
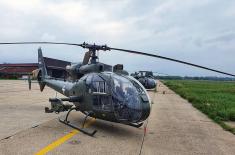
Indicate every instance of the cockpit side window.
{"type": "Point", "coordinates": [98, 84]}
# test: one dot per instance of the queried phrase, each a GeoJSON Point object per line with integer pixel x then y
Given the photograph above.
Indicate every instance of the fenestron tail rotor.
{"type": "Point", "coordinates": [93, 48]}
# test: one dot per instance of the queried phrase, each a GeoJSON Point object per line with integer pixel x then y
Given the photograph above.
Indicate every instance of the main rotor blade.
{"type": "Point", "coordinates": [43, 42]}
{"type": "Point", "coordinates": [170, 59]}
{"type": "Point", "coordinates": [84, 45]}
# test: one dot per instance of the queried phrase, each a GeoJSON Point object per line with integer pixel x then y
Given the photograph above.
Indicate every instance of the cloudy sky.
{"type": "Point", "coordinates": [201, 32]}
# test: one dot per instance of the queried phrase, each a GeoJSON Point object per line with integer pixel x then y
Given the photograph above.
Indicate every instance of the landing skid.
{"type": "Point", "coordinates": [137, 125]}
{"type": "Point", "coordinates": [82, 129]}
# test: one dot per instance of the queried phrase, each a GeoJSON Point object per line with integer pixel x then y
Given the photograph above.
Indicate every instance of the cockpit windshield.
{"type": "Point", "coordinates": [117, 93]}
{"type": "Point", "coordinates": [127, 103]}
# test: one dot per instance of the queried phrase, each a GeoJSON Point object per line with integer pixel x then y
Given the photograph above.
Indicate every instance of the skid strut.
{"type": "Point", "coordinates": [82, 129]}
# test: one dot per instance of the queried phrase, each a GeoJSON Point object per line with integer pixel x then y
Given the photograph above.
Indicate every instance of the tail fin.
{"type": "Point", "coordinates": [43, 70]}
{"type": "Point", "coordinates": [41, 63]}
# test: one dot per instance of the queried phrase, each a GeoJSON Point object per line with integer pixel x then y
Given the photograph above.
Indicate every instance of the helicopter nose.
{"type": "Point", "coordinates": [151, 84]}
{"type": "Point", "coordinates": [146, 107]}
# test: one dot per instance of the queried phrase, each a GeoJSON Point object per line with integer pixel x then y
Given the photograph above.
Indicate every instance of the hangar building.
{"type": "Point", "coordinates": [55, 68]}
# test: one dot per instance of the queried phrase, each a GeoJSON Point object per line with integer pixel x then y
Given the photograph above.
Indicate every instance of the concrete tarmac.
{"type": "Point", "coordinates": [174, 127]}
{"type": "Point", "coordinates": [20, 108]}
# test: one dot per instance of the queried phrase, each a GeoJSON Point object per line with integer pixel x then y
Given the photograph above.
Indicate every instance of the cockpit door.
{"type": "Point", "coordinates": [101, 93]}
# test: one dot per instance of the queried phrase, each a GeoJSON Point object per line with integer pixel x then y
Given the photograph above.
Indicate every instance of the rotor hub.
{"type": "Point", "coordinates": [93, 48]}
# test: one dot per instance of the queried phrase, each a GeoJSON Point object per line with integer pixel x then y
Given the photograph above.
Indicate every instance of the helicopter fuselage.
{"type": "Point", "coordinates": [108, 96]}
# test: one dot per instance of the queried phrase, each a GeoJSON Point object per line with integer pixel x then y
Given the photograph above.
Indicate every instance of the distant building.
{"type": "Point", "coordinates": [18, 70]}
{"type": "Point", "coordinates": [55, 68]}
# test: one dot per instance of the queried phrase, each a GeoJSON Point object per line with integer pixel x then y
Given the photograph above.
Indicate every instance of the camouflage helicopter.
{"type": "Point", "coordinates": [97, 90]}
{"type": "Point", "coordinates": [145, 78]}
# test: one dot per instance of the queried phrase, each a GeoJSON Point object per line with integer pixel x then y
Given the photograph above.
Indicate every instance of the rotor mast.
{"type": "Point", "coordinates": [93, 48]}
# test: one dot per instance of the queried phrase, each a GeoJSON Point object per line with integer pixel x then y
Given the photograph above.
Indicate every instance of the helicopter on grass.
{"type": "Point", "coordinates": [98, 90]}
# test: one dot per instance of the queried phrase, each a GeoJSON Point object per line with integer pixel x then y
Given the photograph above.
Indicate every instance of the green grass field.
{"type": "Point", "coordinates": [214, 98]}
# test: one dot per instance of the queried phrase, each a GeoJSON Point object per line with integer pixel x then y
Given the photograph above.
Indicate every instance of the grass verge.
{"type": "Point", "coordinates": [216, 99]}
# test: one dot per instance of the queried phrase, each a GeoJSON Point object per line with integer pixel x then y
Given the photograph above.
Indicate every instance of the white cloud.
{"type": "Point", "coordinates": [49, 37]}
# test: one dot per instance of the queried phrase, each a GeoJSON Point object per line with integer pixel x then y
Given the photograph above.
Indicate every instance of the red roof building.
{"type": "Point", "coordinates": [56, 68]}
